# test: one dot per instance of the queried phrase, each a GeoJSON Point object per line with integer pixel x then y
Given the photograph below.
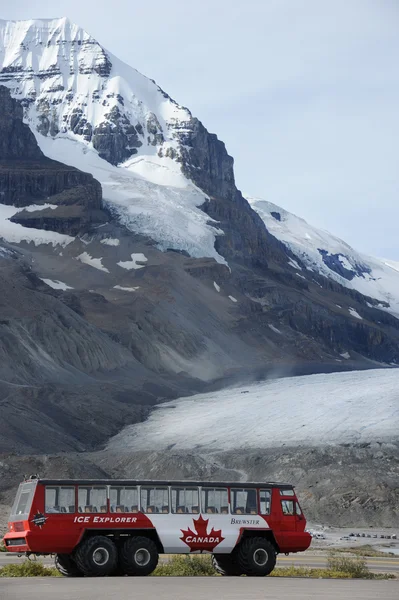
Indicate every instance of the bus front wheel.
{"type": "Point", "coordinates": [97, 556]}
{"type": "Point", "coordinates": [225, 565]}
{"type": "Point", "coordinates": [256, 557]}
{"type": "Point", "coordinates": [67, 566]}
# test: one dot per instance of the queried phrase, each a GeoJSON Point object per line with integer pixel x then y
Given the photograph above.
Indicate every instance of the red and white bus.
{"type": "Point", "coordinates": [103, 527]}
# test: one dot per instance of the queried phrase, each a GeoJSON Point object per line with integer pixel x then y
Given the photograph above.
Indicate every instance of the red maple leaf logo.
{"type": "Point", "coordinates": [200, 539]}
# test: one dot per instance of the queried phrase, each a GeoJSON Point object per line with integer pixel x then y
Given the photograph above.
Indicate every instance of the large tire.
{"type": "Point", "coordinates": [139, 556]}
{"type": "Point", "coordinates": [226, 565]}
{"type": "Point", "coordinates": [65, 564]}
{"type": "Point", "coordinates": [97, 556]}
{"type": "Point", "coordinates": [256, 557]}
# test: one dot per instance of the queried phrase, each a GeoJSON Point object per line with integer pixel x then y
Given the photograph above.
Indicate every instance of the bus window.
{"type": "Point", "coordinates": [124, 499]}
{"type": "Point", "coordinates": [91, 499]}
{"type": "Point", "coordinates": [59, 499]}
{"type": "Point", "coordinates": [23, 501]}
{"type": "Point", "coordinates": [215, 501]}
{"type": "Point", "coordinates": [287, 507]}
{"type": "Point", "coordinates": [185, 500]}
{"type": "Point", "coordinates": [154, 499]}
{"type": "Point", "coordinates": [287, 493]}
{"type": "Point", "coordinates": [264, 497]}
{"type": "Point", "coordinates": [243, 501]}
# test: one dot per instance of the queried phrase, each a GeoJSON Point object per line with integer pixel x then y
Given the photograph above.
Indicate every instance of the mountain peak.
{"type": "Point", "coordinates": [71, 85]}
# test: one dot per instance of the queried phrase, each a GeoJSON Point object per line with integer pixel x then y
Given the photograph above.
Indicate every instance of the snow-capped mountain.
{"type": "Point", "coordinates": [71, 85]}
{"type": "Point", "coordinates": [321, 252]}
{"type": "Point", "coordinates": [89, 109]}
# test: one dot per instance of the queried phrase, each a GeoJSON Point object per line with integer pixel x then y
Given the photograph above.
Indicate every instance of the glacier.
{"type": "Point", "coordinates": [314, 410]}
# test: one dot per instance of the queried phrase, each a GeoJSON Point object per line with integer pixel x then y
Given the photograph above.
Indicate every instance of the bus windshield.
{"type": "Point", "coordinates": [23, 501]}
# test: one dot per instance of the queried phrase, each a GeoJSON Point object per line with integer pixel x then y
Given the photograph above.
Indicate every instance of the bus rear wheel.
{"type": "Point", "coordinates": [139, 556]}
{"type": "Point", "coordinates": [97, 556]}
{"type": "Point", "coordinates": [65, 564]}
{"type": "Point", "coordinates": [256, 557]}
{"type": "Point", "coordinates": [225, 565]}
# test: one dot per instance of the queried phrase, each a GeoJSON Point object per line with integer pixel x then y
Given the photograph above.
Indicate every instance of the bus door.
{"type": "Point", "coordinates": [288, 510]}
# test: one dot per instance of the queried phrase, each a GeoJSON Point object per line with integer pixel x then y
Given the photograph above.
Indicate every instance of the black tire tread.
{"type": "Point", "coordinates": [226, 565]}
{"type": "Point", "coordinates": [84, 550]}
{"type": "Point", "coordinates": [128, 549]}
{"type": "Point", "coordinates": [65, 564]}
{"type": "Point", "coordinates": [243, 556]}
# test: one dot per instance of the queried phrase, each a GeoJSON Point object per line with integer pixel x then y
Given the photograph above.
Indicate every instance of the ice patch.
{"type": "Point", "coordinates": [273, 328]}
{"type": "Point", "coordinates": [345, 355]}
{"type": "Point", "coordinates": [57, 285]}
{"type": "Point", "coordinates": [133, 264]}
{"type": "Point", "coordinates": [233, 299]}
{"type": "Point", "coordinates": [345, 262]}
{"type": "Point", "coordinates": [16, 233]}
{"type": "Point", "coordinates": [86, 259]}
{"type": "Point", "coordinates": [126, 289]}
{"type": "Point", "coordinates": [216, 286]}
{"type": "Point", "coordinates": [35, 207]}
{"type": "Point", "coordinates": [110, 241]}
{"type": "Point", "coordinates": [301, 276]}
{"type": "Point", "coordinates": [354, 313]}
{"type": "Point", "coordinates": [294, 264]}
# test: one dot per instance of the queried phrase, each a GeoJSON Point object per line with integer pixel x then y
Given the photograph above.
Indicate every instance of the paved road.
{"type": "Point", "coordinates": [376, 565]}
{"type": "Point", "coordinates": [204, 588]}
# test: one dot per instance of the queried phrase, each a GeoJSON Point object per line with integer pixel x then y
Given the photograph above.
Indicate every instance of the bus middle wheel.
{"type": "Point", "coordinates": [97, 556]}
{"type": "Point", "coordinates": [139, 556]}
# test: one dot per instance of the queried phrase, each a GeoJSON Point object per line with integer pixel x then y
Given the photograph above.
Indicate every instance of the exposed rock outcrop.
{"type": "Point", "coordinates": [28, 177]}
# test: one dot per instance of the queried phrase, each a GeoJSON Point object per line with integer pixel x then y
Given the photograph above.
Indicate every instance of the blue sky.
{"type": "Point", "coordinates": [305, 94]}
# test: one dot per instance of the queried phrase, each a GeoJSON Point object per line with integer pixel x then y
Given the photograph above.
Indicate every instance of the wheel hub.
{"type": "Point", "coordinates": [142, 557]}
{"type": "Point", "coordinates": [260, 557]}
{"type": "Point", "coordinates": [100, 556]}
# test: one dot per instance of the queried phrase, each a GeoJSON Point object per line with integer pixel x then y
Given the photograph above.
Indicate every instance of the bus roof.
{"type": "Point", "coordinates": [163, 482]}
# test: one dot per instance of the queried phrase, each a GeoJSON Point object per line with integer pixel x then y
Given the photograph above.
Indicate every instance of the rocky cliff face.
{"type": "Point", "coordinates": [28, 177]}
{"type": "Point", "coordinates": [16, 139]}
